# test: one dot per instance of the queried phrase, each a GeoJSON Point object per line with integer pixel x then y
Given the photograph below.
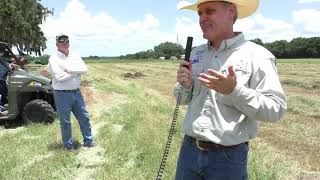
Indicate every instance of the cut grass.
{"type": "Point", "coordinates": [133, 133]}
{"type": "Point", "coordinates": [303, 105]}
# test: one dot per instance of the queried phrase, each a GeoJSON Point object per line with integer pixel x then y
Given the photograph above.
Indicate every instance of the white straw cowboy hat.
{"type": "Point", "coordinates": [244, 7]}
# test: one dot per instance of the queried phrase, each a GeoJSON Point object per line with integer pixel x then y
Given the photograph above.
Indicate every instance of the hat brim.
{"type": "Point", "coordinates": [244, 8]}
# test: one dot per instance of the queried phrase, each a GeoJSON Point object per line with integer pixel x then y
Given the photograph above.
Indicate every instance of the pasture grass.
{"type": "Point", "coordinates": [133, 131]}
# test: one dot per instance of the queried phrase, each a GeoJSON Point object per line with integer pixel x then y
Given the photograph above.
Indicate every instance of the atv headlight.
{"type": "Point", "coordinates": [35, 84]}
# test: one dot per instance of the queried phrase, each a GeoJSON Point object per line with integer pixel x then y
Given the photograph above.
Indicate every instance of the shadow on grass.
{"type": "Point", "coordinates": [12, 124]}
{"type": "Point", "coordinates": [59, 146]}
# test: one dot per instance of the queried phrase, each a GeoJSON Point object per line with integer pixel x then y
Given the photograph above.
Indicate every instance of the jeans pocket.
{"type": "Point", "coordinates": [237, 155]}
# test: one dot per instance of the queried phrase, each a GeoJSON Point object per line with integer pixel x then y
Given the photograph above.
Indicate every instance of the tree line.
{"type": "Point", "coordinates": [165, 50]}
{"type": "Point", "coordinates": [296, 48]}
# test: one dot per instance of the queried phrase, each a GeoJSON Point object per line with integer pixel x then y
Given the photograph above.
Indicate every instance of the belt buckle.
{"type": "Point", "coordinates": [198, 146]}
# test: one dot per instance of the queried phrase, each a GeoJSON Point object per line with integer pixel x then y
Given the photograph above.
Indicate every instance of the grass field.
{"type": "Point", "coordinates": [131, 117]}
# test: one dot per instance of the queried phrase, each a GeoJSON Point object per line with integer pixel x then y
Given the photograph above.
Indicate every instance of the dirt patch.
{"type": "Point", "coordinates": [86, 91]}
{"type": "Point", "coordinates": [135, 75]}
{"type": "Point", "coordinates": [301, 91]}
{"type": "Point", "coordinates": [100, 102]}
{"type": "Point", "coordinates": [86, 83]}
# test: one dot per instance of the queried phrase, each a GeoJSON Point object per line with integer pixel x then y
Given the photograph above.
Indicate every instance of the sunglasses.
{"type": "Point", "coordinates": [63, 41]}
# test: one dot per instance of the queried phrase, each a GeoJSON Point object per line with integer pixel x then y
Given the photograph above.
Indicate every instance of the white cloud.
{"type": "Point", "coordinates": [246, 24]}
{"type": "Point", "coordinates": [100, 34]}
{"type": "Point", "coordinates": [187, 27]}
{"type": "Point", "coordinates": [272, 25]}
{"type": "Point", "coordinates": [307, 1]}
{"type": "Point", "coordinates": [150, 22]}
{"type": "Point", "coordinates": [270, 30]}
{"type": "Point", "coordinates": [309, 18]}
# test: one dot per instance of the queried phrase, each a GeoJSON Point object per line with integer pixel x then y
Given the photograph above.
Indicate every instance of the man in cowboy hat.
{"type": "Point", "coordinates": [230, 85]}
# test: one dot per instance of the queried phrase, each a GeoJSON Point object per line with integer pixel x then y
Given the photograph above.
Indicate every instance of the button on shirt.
{"type": "Point", "coordinates": [62, 80]}
{"type": "Point", "coordinates": [258, 96]}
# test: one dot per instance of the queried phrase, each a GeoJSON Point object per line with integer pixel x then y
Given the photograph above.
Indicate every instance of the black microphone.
{"type": "Point", "coordinates": [188, 49]}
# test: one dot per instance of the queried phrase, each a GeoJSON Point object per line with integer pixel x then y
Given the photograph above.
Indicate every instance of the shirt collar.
{"type": "Point", "coordinates": [60, 54]}
{"type": "Point", "coordinates": [231, 43]}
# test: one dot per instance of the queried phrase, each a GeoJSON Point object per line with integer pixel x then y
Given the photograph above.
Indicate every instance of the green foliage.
{"type": "Point", "coordinates": [278, 48]}
{"type": "Point", "coordinates": [167, 50]}
{"type": "Point", "coordinates": [296, 48]}
{"type": "Point", "coordinates": [19, 24]}
{"type": "Point", "coordinates": [257, 41]}
{"type": "Point", "coordinates": [301, 47]}
{"type": "Point", "coordinates": [42, 59]}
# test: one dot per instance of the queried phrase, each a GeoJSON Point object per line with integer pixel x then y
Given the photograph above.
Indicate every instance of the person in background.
{"type": "Point", "coordinates": [5, 69]}
{"type": "Point", "coordinates": [230, 85]}
{"type": "Point", "coordinates": [66, 68]}
{"type": "Point", "coordinates": [14, 64]}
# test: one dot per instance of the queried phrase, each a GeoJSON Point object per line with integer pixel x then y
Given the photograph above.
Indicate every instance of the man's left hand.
{"type": "Point", "coordinates": [64, 68]}
{"type": "Point", "coordinates": [219, 82]}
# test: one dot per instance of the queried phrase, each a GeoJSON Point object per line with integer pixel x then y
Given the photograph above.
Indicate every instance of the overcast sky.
{"type": "Point", "coordinates": [120, 27]}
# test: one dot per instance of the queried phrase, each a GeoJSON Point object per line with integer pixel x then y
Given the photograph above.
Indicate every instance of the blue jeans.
{"type": "Point", "coordinates": [218, 164]}
{"type": "Point", "coordinates": [67, 102]}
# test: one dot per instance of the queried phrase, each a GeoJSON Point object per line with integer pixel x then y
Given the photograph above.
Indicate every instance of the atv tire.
{"type": "Point", "coordinates": [38, 111]}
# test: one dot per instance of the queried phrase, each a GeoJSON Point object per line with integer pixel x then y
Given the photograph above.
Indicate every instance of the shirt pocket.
{"type": "Point", "coordinates": [243, 74]}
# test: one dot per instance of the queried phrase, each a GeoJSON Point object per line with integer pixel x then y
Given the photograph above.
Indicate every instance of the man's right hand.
{"type": "Point", "coordinates": [184, 75]}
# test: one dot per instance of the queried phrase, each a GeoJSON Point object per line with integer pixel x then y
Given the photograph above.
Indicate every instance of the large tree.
{"type": "Point", "coordinates": [19, 24]}
{"type": "Point", "coordinates": [278, 48]}
{"type": "Point", "coordinates": [168, 49]}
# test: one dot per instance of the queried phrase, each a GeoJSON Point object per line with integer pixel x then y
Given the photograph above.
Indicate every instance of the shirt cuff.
{"type": "Point", "coordinates": [237, 90]}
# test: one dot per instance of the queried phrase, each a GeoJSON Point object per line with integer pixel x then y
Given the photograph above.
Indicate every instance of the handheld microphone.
{"type": "Point", "coordinates": [188, 49]}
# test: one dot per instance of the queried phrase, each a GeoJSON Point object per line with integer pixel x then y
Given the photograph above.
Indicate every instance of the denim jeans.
{"type": "Point", "coordinates": [67, 102]}
{"type": "Point", "coordinates": [220, 164]}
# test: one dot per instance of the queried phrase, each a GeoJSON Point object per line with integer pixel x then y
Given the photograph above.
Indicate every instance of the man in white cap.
{"type": "Point", "coordinates": [230, 85]}
{"type": "Point", "coordinates": [66, 68]}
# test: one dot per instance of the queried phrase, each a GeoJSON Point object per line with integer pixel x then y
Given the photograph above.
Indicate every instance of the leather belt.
{"type": "Point", "coordinates": [207, 145]}
{"type": "Point", "coordinates": [69, 91]}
